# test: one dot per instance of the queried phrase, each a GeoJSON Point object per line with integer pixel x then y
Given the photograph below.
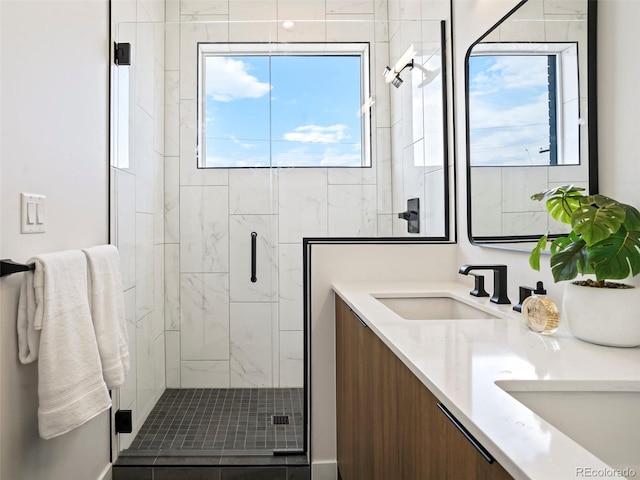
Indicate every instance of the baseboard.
{"type": "Point", "coordinates": [325, 470]}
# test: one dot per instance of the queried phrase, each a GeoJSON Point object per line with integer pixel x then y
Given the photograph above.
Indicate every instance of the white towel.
{"type": "Point", "coordinates": [107, 311]}
{"type": "Point", "coordinates": [71, 390]}
{"type": "Point", "coordinates": [28, 336]}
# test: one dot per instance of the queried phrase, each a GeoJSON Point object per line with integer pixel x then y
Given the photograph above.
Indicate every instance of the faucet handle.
{"type": "Point", "coordinates": [478, 290]}
{"type": "Point", "coordinates": [525, 292]}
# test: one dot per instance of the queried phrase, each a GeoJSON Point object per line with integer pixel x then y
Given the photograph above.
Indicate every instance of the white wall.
{"type": "Point", "coordinates": [618, 100]}
{"type": "Point", "coordinates": [53, 141]}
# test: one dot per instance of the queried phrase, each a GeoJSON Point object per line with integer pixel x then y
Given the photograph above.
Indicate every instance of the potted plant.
{"type": "Point", "coordinates": [604, 244]}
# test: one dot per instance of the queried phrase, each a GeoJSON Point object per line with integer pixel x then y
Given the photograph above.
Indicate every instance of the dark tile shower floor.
{"type": "Point", "coordinates": [221, 421]}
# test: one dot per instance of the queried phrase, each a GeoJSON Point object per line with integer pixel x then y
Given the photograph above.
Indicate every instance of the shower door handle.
{"type": "Point", "coordinates": [254, 235]}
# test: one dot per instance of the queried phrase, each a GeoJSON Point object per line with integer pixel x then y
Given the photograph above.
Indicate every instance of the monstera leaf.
{"type": "Point", "coordinates": [631, 219]}
{"type": "Point", "coordinates": [597, 218]}
{"type": "Point", "coordinates": [561, 202]}
{"type": "Point", "coordinates": [534, 258]}
{"type": "Point", "coordinates": [617, 256]}
{"type": "Point", "coordinates": [604, 240]}
{"type": "Point", "coordinates": [568, 259]}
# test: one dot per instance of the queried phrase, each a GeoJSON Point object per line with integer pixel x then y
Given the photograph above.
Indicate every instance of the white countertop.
{"type": "Point", "coordinates": [460, 361]}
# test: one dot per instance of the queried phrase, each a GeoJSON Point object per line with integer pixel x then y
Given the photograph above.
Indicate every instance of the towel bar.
{"type": "Point", "coordinates": [8, 267]}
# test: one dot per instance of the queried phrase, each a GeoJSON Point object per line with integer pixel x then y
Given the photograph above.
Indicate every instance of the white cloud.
{"type": "Point", "coordinates": [237, 141]}
{"type": "Point", "coordinates": [511, 134]}
{"type": "Point", "coordinates": [510, 72]}
{"type": "Point", "coordinates": [301, 157]}
{"type": "Point", "coordinates": [522, 111]}
{"type": "Point", "coordinates": [318, 156]}
{"type": "Point", "coordinates": [318, 134]}
{"type": "Point", "coordinates": [229, 79]}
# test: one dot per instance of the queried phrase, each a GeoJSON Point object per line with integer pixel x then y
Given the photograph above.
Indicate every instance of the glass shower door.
{"type": "Point", "coordinates": [214, 369]}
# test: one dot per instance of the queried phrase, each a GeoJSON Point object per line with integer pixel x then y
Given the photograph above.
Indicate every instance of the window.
{"type": "Point", "coordinates": [525, 105]}
{"type": "Point", "coordinates": [283, 105]}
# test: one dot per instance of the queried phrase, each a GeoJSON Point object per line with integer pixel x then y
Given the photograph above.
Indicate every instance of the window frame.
{"type": "Point", "coordinates": [361, 49]}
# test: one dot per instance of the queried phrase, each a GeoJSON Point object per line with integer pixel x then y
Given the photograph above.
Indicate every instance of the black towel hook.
{"type": "Point", "coordinates": [9, 267]}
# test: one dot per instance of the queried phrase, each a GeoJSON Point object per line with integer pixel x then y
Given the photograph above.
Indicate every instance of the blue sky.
{"type": "Point", "coordinates": [308, 105]}
{"type": "Point", "coordinates": [509, 113]}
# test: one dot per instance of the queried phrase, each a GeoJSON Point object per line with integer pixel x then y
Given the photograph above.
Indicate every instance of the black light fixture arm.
{"type": "Point", "coordinates": [408, 65]}
{"type": "Point", "coordinates": [393, 75]}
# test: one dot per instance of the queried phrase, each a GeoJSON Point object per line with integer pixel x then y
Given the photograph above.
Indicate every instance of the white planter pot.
{"type": "Point", "coordinates": [606, 316]}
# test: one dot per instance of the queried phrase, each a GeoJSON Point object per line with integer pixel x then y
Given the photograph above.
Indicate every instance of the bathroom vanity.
{"type": "Point", "coordinates": [434, 383]}
{"type": "Point", "coordinates": [389, 424]}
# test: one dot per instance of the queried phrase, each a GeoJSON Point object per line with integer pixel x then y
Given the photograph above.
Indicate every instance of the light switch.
{"type": "Point", "coordinates": [32, 213]}
{"type": "Point", "coordinates": [40, 211]}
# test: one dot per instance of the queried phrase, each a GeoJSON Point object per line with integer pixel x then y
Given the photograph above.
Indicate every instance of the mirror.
{"type": "Point", "coordinates": [530, 117]}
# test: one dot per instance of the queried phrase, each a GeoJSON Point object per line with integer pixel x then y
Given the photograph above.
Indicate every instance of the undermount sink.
{"type": "Point", "coordinates": [606, 423]}
{"type": "Point", "coordinates": [432, 308]}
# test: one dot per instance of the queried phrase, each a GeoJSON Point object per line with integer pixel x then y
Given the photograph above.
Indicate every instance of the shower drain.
{"type": "Point", "coordinates": [279, 419]}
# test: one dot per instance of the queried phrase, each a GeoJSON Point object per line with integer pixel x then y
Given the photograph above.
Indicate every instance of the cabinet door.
{"type": "Point", "coordinates": [421, 443]}
{"type": "Point", "coordinates": [353, 396]}
{"type": "Point", "coordinates": [377, 433]}
{"type": "Point", "coordinates": [345, 374]}
{"type": "Point", "coordinates": [385, 412]}
{"type": "Point", "coordinates": [463, 458]}
{"type": "Point", "coordinates": [430, 446]}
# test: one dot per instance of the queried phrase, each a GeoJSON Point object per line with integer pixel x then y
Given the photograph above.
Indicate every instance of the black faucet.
{"type": "Point", "coordinates": [527, 292]}
{"type": "Point", "coordinates": [499, 280]}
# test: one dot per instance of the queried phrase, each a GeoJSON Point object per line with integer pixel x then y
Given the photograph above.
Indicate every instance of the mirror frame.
{"type": "Point", "coordinates": [592, 134]}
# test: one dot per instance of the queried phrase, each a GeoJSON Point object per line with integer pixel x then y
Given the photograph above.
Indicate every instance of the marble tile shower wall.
{"type": "Point", "coordinates": [416, 133]}
{"type": "Point", "coordinates": [222, 330]}
{"type": "Point", "coordinates": [501, 187]}
{"type": "Point", "coordinates": [138, 193]}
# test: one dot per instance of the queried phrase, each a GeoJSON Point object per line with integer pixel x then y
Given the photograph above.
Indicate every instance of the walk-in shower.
{"type": "Point", "coordinates": [212, 257]}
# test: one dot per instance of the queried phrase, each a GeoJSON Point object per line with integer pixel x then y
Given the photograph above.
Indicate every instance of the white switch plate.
{"type": "Point", "coordinates": [31, 201]}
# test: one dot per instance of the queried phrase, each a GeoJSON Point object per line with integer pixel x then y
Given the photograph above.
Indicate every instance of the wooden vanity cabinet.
{"type": "Point", "coordinates": [389, 425]}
